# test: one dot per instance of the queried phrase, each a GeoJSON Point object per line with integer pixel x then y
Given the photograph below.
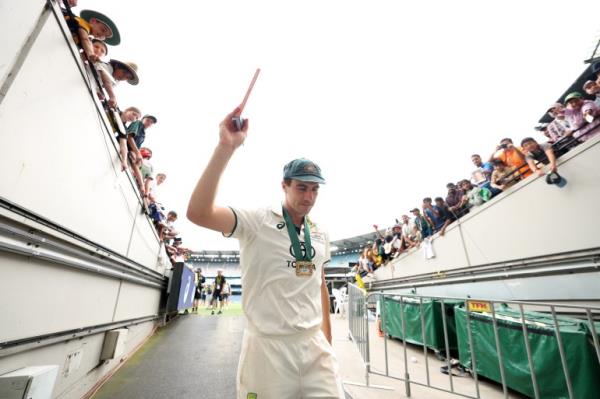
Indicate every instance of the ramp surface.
{"type": "Point", "coordinates": [193, 357]}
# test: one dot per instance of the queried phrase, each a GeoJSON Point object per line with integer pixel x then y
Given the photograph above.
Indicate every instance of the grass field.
{"type": "Point", "coordinates": [234, 309]}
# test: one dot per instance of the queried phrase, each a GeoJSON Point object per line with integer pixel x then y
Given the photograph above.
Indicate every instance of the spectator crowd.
{"type": "Point", "coordinates": [93, 33]}
{"type": "Point", "coordinates": [572, 122]}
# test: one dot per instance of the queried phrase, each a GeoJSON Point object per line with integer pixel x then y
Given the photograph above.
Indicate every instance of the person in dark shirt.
{"type": "Point", "coordinates": [444, 215]}
{"type": "Point", "coordinates": [217, 295]}
{"type": "Point", "coordinates": [542, 153]}
{"type": "Point", "coordinates": [454, 200]}
{"type": "Point", "coordinates": [199, 290]}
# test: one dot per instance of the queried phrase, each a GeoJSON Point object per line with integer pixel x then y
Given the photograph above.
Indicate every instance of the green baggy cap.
{"type": "Point", "coordinates": [304, 170]}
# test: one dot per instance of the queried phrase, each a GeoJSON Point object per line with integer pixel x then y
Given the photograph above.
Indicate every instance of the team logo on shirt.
{"type": "Point", "coordinates": [280, 225]}
{"type": "Point", "coordinates": [303, 250]}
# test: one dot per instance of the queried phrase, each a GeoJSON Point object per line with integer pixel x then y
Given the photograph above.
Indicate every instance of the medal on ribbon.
{"type": "Point", "coordinates": [304, 265]}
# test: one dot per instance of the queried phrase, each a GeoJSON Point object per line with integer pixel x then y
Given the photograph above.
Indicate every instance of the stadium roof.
{"type": "Point", "coordinates": [215, 256]}
{"type": "Point", "coordinates": [352, 243]}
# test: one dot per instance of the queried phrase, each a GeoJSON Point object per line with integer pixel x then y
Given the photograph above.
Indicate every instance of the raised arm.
{"type": "Point", "coordinates": [201, 208]}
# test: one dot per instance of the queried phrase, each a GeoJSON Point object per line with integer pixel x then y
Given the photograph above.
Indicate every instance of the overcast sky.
{"type": "Point", "coordinates": [390, 98]}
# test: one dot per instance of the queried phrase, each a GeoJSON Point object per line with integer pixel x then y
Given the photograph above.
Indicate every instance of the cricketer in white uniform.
{"type": "Point", "coordinates": [286, 349]}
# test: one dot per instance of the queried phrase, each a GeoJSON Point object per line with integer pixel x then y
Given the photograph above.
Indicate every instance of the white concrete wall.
{"type": "Point", "coordinates": [56, 157]}
{"type": "Point", "coordinates": [17, 21]}
{"type": "Point", "coordinates": [58, 160]}
{"type": "Point", "coordinates": [91, 370]}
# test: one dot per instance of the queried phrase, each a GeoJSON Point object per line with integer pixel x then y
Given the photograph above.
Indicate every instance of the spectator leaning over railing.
{"type": "Point", "coordinates": [94, 24]}
{"type": "Point", "coordinates": [377, 253]}
{"type": "Point", "coordinates": [544, 154]}
{"type": "Point", "coordinates": [430, 213]}
{"type": "Point", "coordinates": [169, 231]}
{"type": "Point", "coordinates": [593, 89]}
{"type": "Point", "coordinates": [422, 224]}
{"type": "Point", "coordinates": [503, 176]}
{"type": "Point", "coordinates": [445, 216]}
{"type": "Point", "coordinates": [409, 232]}
{"type": "Point", "coordinates": [154, 194]}
{"type": "Point", "coordinates": [397, 242]}
{"type": "Point", "coordinates": [455, 202]}
{"type": "Point", "coordinates": [482, 176]}
{"type": "Point", "coordinates": [363, 265]}
{"type": "Point", "coordinates": [100, 48]}
{"type": "Point", "coordinates": [581, 116]}
{"type": "Point", "coordinates": [511, 156]}
{"type": "Point", "coordinates": [128, 116]}
{"type": "Point", "coordinates": [474, 196]}
{"type": "Point", "coordinates": [116, 71]}
{"type": "Point", "coordinates": [147, 172]}
{"type": "Point", "coordinates": [559, 126]}
{"type": "Point", "coordinates": [136, 134]}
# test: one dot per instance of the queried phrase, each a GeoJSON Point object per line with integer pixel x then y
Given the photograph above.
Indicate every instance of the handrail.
{"type": "Point", "coordinates": [4, 203]}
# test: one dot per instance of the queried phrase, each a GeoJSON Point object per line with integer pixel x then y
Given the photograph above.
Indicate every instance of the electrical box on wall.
{"type": "Point", "coordinates": [114, 344]}
{"type": "Point", "coordinates": [35, 382]}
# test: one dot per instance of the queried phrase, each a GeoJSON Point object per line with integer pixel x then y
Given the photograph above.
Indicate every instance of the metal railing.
{"type": "Point", "coordinates": [503, 317]}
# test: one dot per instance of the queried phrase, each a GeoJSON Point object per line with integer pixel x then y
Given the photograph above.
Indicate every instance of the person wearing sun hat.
{"type": "Point", "coordinates": [113, 72]}
{"type": "Point", "coordinates": [282, 256]}
{"type": "Point", "coordinates": [581, 115]}
{"type": "Point", "coordinates": [92, 24]}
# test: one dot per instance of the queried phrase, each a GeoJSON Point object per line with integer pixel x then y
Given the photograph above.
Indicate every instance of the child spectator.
{"type": "Point", "coordinates": [135, 137]}
{"type": "Point", "coordinates": [100, 49]}
{"type": "Point", "coordinates": [113, 72]}
{"type": "Point", "coordinates": [138, 129]}
{"type": "Point", "coordinates": [128, 116]}
{"type": "Point", "coordinates": [538, 152]}
{"type": "Point", "coordinates": [445, 216]}
{"type": "Point", "coordinates": [376, 253]}
{"type": "Point", "coordinates": [474, 195]}
{"type": "Point", "coordinates": [503, 176]}
{"type": "Point", "coordinates": [146, 169]}
{"type": "Point", "coordinates": [364, 266]}
{"type": "Point", "coordinates": [422, 224]}
{"type": "Point", "coordinates": [430, 213]}
{"type": "Point", "coordinates": [397, 242]}
{"type": "Point", "coordinates": [154, 195]}
{"type": "Point", "coordinates": [169, 231]}
{"type": "Point", "coordinates": [95, 24]}
{"type": "Point", "coordinates": [409, 232]}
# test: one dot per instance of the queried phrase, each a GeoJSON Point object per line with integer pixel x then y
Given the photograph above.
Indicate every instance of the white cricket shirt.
{"type": "Point", "coordinates": [274, 299]}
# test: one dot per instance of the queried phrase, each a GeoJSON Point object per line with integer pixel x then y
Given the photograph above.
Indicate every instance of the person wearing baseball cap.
{"type": "Point", "coordinates": [282, 256]}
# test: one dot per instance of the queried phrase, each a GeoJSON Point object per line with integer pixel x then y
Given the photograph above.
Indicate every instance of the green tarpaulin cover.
{"type": "Point", "coordinates": [583, 366]}
{"type": "Point", "coordinates": [432, 314]}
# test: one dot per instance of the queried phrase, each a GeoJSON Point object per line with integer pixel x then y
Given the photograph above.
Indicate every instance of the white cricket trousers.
{"type": "Point", "coordinates": [298, 366]}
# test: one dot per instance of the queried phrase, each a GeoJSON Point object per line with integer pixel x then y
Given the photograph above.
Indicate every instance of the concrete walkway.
{"type": "Point", "coordinates": [192, 357]}
{"type": "Point", "coordinates": [197, 356]}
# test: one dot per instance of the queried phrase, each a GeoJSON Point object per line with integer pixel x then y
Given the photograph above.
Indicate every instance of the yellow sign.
{"type": "Point", "coordinates": [479, 306]}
